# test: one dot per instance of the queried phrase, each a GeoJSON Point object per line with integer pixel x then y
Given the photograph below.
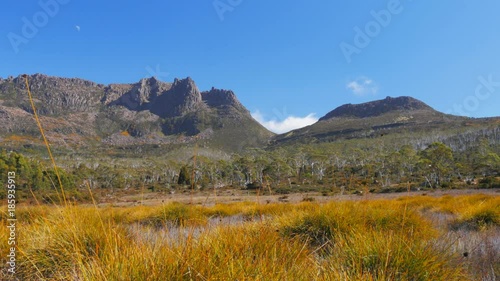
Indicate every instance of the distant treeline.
{"type": "Point", "coordinates": [329, 167]}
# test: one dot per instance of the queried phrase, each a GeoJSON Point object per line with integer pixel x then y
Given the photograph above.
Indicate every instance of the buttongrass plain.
{"type": "Point", "coordinates": [408, 238]}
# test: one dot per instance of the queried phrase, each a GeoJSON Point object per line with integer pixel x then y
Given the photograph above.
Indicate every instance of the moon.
{"type": "Point", "coordinates": [77, 28]}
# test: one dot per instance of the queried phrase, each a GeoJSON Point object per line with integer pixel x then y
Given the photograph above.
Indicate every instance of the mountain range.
{"type": "Point", "coordinates": [79, 113]}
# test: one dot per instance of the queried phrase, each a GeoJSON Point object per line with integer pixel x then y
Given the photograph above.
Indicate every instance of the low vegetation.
{"type": "Point", "coordinates": [409, 238]}
{"type": "Point", "coordinates": [355, 166]}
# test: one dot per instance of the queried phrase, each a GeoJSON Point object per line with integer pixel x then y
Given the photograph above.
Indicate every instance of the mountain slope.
{"type": "Point", "coordinates": [400, 115]}
{"type": "Point", "coordinates": [77, 112]}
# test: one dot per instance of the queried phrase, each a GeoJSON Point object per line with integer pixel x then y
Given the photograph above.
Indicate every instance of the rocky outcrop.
{"type": "Point", "coordinates": [138, 96]}
{"type": "Point", "coordinates": [182, 98]}
{"type": "Point", "coordinates": [220, 98]}
{"type": "Point", "coordinates": [54, 96]}
{"type": "Point", "coordinates": [60, 96]}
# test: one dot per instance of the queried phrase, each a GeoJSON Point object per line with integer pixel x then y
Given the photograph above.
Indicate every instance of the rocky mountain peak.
{"type": "Point", "coordinates": [42, 80]}
{"type": "Point", "coordinates": [183, 97]}
{"type": "Point", "coordinates": [376, 108]}
{"type": "Point", "coordinates": [149, 111]}
{"type": "Point", "coordinates": [151, 81]}
{"type": "Point", "coordinates": [219, 98]}
{"type": "Point", "coordinates": [186, 83]}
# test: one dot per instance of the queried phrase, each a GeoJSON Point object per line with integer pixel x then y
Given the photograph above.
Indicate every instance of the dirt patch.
{"type": "Point", "coordinates": [231, 196]}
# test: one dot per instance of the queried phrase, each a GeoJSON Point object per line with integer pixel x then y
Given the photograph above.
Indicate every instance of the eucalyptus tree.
{"type": "Point", "coordinates": [437, 163]}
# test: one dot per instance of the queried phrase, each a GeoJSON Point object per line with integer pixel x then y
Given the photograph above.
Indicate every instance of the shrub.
{"type": "Point", "coordinates": [489, 182]}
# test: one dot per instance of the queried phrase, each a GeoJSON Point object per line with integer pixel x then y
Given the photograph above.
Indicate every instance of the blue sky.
{"type": "Point", "coordinates": [289, 62]}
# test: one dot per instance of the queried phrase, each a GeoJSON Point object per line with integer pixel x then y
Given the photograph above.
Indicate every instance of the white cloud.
{"type": "Point", "coordinates": [362, 87]}
{"type": "Point", "coordinates": [288, 124]}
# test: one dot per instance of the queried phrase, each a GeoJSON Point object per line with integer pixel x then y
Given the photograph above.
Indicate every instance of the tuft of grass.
{"type": "Point", "coordinates": [176, 213]}
{"type": "Point", "coordinates": [388, 256]}
{"type": "Point", "coordinates": [481, 216]}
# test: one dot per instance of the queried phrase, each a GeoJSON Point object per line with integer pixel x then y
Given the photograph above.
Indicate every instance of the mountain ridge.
{"type": "Point", "coordinates": [149, 110]}
{"type": "Point", "coordinates": [377, 107]}
{"type": "Point", "coordinates": [393, 115]}
{"type": "Point", "coordinates": [78, 112]}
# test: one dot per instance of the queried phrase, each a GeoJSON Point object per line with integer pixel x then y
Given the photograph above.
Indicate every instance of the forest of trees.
{"type": "Point", "coordinates": [327, 167]}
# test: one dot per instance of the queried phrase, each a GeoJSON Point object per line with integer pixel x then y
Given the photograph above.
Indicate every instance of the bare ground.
{"type": "Point", "coordinates": [208, 198]}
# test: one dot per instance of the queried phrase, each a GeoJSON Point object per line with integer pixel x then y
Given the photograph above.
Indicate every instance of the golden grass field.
{"type": "Point", "coordinates": [403, 238]}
